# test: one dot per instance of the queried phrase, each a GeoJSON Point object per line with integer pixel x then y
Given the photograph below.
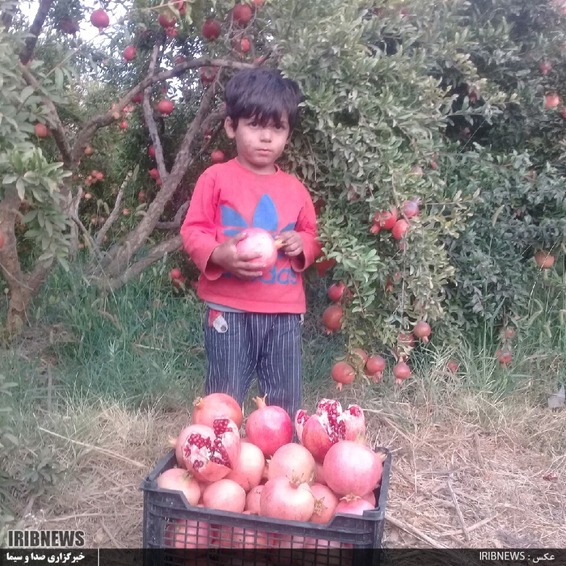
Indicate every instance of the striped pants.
{"type": "Point", "coordinates": [268, 345]}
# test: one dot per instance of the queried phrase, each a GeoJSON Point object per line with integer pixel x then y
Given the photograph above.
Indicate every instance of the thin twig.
{"type": "Point", "coordinates": [115, 211]}
{"type": "Point", "coordinates": [458, 510]}
{"type": "Point", "coordinates": [110, 535]}
{"type": "Point", "coordinates": [69, 517]}
{"type": "Point", "coordinates": [101, 450]}
{"type": "Point", "coordinates": [414, 531]}
{"type": "Point", "coordinates": [471, 528]}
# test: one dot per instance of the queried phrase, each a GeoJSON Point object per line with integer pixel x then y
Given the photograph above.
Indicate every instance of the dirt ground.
{"type": "Point", "coordinates": [453, 482]}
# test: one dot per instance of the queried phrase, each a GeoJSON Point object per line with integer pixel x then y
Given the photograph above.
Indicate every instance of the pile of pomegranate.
{"type": "Point", "coordinates": [257, 469]}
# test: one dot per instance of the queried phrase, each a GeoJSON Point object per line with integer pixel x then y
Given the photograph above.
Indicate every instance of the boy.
{"type": "Point", "coordinates": [253, 316]}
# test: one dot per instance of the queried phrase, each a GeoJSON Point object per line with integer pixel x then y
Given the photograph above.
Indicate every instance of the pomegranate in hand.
{"type": "Point", "coordinates": [260, 242]}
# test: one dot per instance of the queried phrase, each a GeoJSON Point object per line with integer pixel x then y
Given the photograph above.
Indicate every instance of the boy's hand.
{"type": "Point", "coordinates": [226, 255]}
{"type": "Point", "coordinates": [291, 243]}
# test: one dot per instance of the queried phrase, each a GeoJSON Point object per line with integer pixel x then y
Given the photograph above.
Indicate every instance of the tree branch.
{"type": "Point", "coordinates": [150, 121]}
{"type": "Point", "coordinates": [176, 222]}
{"type": "Point", "coordinates": [88, 130]}
{"type": "Point", "coordinates": [122, 255]}
{"type": "Point", "coordinates": [155, 254]}
{"type": "Point", "coordinates": [115, 211]}
{"type": "Point", "coordinates": [57, 128]}
{"type": "Point", "coordinates": [35, 30]}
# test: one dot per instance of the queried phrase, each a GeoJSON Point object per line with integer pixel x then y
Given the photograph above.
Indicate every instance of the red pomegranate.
{"type": "Point", "coordinates": [41, 130]}
{"type": "Point", "coordinates": [406, 339]}
{"type": "Point", "coordinates": [352, 468]}
{"type": "Point", "coordinates": [359, 357]}
{"type": "Point", "coordinates": [154, 173]}
{"type": "Point", "coordinates": [343, 373]}
{"type": "Point", "coordinates": [242, 14]}
{"type": "Point", "coordinates": [248, 470]}
{"type": "Point", "coordinates": [261, 243]}
{"type": "Point", "coordinates": [282, 498]}
{"type": "Point", "coordinates": [187, 534]}
{"type": "Point", "coordinates": [504, 356]}
{"type": "Point", "coordinates": [401, 371]}
{"type": "Point", "coordinates": [545, 260]}
{"type": "Point", "coordinates": [130, 53]}
{"type": "Point", "coordinates": [207, 76]}
{"type": "Point", "coordinates": [332, 318]}
{"type": "Point", "coordinates": [165, 107]}
{"type": "Point", "coordinates": [399, 229]}
{"type": "Point", "coordinates": [453, 366]}
{"type": "Point", "coordinates": [374, 368]}
{"type": "Point", "coordinates": [175, 273]}
{"type": "Point", "coordinates": [209, 453]}
{"type": "Point", "coordinates": [353, 506]}
{"type": "Point", "coordinates": [325, 502]}
{"type": "Point", "coordinates": [217, 156]}
{"type": "Point", "coordinates": [181, 480]}
{"type": "Point", "coordinates": [151, 151]}
{"type": "Point", "coordinates": [252, 500]}
{"type": "Point", "coordinates": [269, 427]}
{"type": "Point", "coordinates": [293, 461]}
{"type": "Point", "coordinates": [410, 208]}
{"type": "Point", "coordinates": [244, 45]}
{"type": "Point", "coordinates": [211, 29]}
{"type": "Point", "coordinates": [99, 19]}
{"type": "Point", "coordinates": [329, 424]}
{"type": "Point", "coordinates": [215, 405]}
{"type": "Point", "coordinates": [336, 291]}
{"type": "Point", "coordinates": [166, 20]}
{"type": "Point", "coordinates": [385, 220]}
{"type": "Point", "coordinates": [422, 330]}
{"type": "Point", "coordinates": [226, 495]}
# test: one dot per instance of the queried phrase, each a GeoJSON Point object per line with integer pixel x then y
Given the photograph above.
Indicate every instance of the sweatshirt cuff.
{"type": "Point", "coordinates": [212, 271]}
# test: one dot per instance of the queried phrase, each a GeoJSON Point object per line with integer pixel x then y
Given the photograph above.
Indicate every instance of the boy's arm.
{"type": "Point", "coordinates": [198, 231]}
{"type": "Point", "coordinates": [306, 228]}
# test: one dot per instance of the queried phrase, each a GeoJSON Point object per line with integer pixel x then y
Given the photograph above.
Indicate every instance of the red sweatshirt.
{"type": "Point", "coordinates": [229, 198]}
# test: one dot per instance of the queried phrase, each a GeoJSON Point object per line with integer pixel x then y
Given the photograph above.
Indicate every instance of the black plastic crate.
{"type": "Point", "coordinates": [221, 537]}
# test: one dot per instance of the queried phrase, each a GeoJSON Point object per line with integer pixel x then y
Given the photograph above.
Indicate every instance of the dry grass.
{"type": "Point", "coordinates": [469, 474]}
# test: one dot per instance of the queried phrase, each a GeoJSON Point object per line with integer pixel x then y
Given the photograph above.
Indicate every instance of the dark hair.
{"type": "Point", "coordinates": [263, 94]}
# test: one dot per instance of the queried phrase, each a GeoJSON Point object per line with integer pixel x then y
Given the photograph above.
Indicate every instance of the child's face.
{"type": "Point", "coordinates": [258, 146]}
